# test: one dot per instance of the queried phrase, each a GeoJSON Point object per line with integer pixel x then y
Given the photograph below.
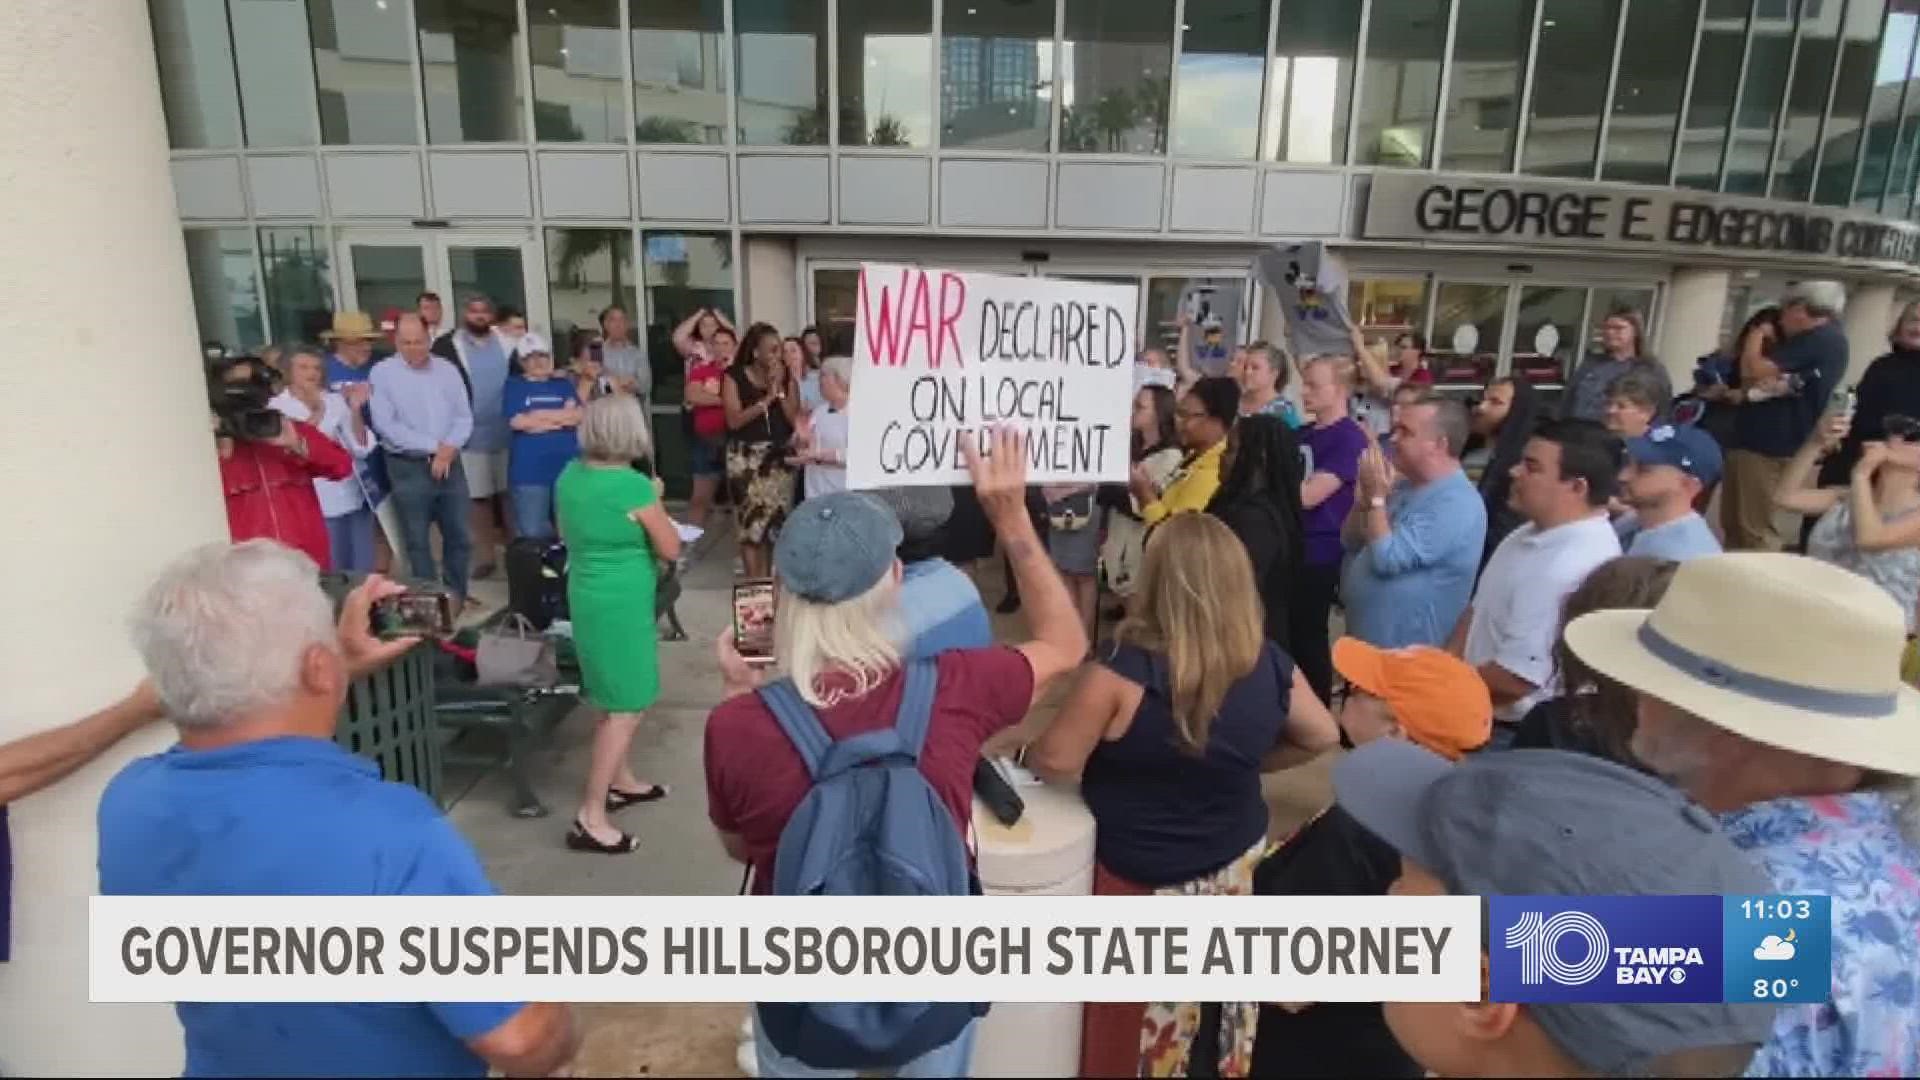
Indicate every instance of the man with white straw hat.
{"type": "Point", "coordinates": [1768, 689]}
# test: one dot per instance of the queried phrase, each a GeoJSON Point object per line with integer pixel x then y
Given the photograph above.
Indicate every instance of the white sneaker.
{"type": "Point", "coordinates": [746, 1060]}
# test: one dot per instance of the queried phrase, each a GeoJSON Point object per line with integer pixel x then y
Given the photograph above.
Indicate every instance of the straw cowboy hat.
{"type": "Point", "coordinates": [1781, 649]}
{"type": "Point", "coordinates": [351, 326]}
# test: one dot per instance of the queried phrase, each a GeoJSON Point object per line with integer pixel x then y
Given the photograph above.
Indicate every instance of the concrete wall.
{"type": "Point", "coordinates": [770, 271]}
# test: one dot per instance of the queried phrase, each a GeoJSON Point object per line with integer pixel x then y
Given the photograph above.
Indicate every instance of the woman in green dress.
{"type": "Point", "coordinates": [615, 530]}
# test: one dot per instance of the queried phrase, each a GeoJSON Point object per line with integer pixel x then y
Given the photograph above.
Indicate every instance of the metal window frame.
{"type": "Point", "coordinates": [1359, 83]}
{"type": "Point", "coordinates": [1826, 107]}
{"type": "Point", "coordinates": [1613, 87]}
{"type": "Point", "coordinates": [1433, 157]}
{"type": "Point", "coordinates": [1261, 151]}
{"type": "Point", "coordinates": [1739, 98]}
{"type": "Point", "coordinates": [1523, 108]}
{"type": "Point", "coordinates": [1799, 33]}
{"type": "Point", "coordinates": [1899, 116]}
{"type": "Point", "coordinates": [1686, 95]}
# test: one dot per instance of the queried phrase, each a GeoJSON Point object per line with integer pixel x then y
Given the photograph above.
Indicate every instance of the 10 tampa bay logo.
{"type": "Point", "coordinates": [1605, 948]}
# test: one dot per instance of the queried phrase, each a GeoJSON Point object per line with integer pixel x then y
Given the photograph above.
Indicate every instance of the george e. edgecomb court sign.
{"type": "Point", "coordinates": [1494, 210]}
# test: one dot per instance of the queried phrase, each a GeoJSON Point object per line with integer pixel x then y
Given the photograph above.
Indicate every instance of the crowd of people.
{"type": "Point", "coordinates": [1516, 613]}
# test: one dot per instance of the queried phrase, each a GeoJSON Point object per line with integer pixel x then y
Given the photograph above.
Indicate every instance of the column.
{"type": "Point", "coordinates": [1869, 319]}
{"type": "Point", "coordinates": [1690, 320]}
{"type": "Point", "coordinates": [106, 478]}
{"type": "Point", "coordinates": [771, 275]}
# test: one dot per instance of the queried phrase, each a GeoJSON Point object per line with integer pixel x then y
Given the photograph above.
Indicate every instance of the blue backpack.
{"type": "Point", "coordinates": [871, 826]}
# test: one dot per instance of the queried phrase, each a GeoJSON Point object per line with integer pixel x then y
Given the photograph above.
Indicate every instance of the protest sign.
{"type": "Point", "coordinates": [940, 357]}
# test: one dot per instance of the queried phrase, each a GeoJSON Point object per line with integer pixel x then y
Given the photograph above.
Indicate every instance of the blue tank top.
{"type": "Point", "coordinates": [1162, 815]}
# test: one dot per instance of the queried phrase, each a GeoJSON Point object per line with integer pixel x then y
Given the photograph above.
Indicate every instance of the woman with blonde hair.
{"type": "Point", "coordinates": [616, 532]}
{"type": "Point", "coordinates": [1169, 734]}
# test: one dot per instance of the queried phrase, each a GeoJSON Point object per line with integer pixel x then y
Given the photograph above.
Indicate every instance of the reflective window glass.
{"type": "Point", "coordinates": [1310, 81]}
{"type": "Point", "coordinates": [492, 271]}
{"type": "Point", "coordinates": [1716, 78]}
{"type": "Point", "coordinates": [469, 61]}
{"type": "Point", "coordinates": [1387, 308]}
{"type": "Point", "coordinates": [1546, 333]}
{"type": "Point", "coordinates": [363, 66]}
{"type": "Point", "coordinates": [1608, 300]}
{"type": "Point", "coordinates": [1114, 60]}
{"type": "Point", "coordinates": [1468, 321]}
{"type": "Point", "coordinates": [1806, 102]}
{"type": "Point", "coordinates": [225, 301]}
{"type": "Point", "coordinates": [996, 74]}
{"type": "Point", "coordinates": [1769, 54]}
{"type": "Point", "coordinates": [836, 299]}
{"type": "Point", "coordinates": [1216, 108]}
{"type": "Point", "coordinates": [1399, 82]}
{"type": "Point", "coordinates": [579, 76]}
{"type": "Point", "coordinates": [1853, 89]}
{"type": "Point", "coordinates": [297, 265]}
{"type": "Point", "coordinates": [1570, 86]}
{"type": "Point", "coordinates": [679, 70]}
{"type": "Point", "coordinates": [197, 87]}
{"type": "Point", "coordinates": [1221, 297]}
{"type": "Point", "coordinates": [276, 72]}
{"type": "Point", "coordinates": [587, 270]}
{"type": "Point", "coordinates": [1647, 94]}
{"type": "Point", "coordinates": [1905, 163]}
{"type": "Point", "coordinates": [387, 276]}
{"type": "Point", "coordinates": [1483, 92]}
{"type": "Point", "coordinates": [684, 272]}
{"type": "Point", "coordinates": [780, 51]}
{"type": "Point", "coordinates": [1896, 66]}
{"type": "Point", "coordinates": [886, 72]}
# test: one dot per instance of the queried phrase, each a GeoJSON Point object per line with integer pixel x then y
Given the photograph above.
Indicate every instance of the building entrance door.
{"type": "Point", "coordinates": [387, 270]}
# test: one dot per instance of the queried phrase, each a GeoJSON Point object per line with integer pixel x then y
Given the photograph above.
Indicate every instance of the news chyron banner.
{"type": "Point", "coordinates": [1764, 949]}
{"type": "Point", "coordinates": [941, 357]}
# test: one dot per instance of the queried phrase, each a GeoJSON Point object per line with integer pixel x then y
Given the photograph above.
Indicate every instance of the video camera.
{"type": "Point", "coordinates": [238, 389]}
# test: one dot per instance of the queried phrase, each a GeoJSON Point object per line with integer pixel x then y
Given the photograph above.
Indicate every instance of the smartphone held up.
{"type": "Point", "coordinates": [414, 613]}
{"type": "Point", "coordinates": [753, 612]}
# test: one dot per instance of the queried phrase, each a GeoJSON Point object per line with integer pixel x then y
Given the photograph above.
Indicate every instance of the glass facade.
{"type": "Point", "coordinates": [683, 272]}
{"type": "Point", "coordinates": [587, 269]}
{"type": "Point", "coordinates": [226, 299]}
{"type": "Point", "coordinates": [296, 266]}
{"type": "Point", "coordinates": [1796, 100]}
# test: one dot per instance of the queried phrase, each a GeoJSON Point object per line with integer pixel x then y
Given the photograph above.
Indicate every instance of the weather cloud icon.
{"type": "Point", "coordinates": [1775, 947]}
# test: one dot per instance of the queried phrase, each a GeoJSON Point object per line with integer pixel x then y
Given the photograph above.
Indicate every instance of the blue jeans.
{"type": "Point", "coordinates": [953, 1059]}
{"type": "Point", "coordinates": [532, 509]}
{"type": "Point", "coordinates": [350, 536]}
{"type": "Point", "coordinates": [423, 502]}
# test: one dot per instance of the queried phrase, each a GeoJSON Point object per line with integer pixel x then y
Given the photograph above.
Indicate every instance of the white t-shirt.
{"type": "Point", "coordinates": [336, 497]}
{"type": "Point", "coordinates": [1516, 609]}
{"type": "Point", "coordinates": [829, 433]}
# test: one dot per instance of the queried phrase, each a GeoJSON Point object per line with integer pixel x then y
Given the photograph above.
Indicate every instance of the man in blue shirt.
{"type": "Point", "coordinates": [1414, 544]}
{"type": "Point", "coordinates": [940, 607]}
{"type": "Point", "coordinates": [484, 360]}
{"type": "Point", "coordinates": [349, 363]}
{"type": "Point", "coordinates": [1671, 467]}
{"type": "Point", "coordinates": [423, 417]}
{"type": "Point", "coordinates": [257, 799]}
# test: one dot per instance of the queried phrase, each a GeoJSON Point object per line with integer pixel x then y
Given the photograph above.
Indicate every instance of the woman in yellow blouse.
{"type": "Point", "coordinates": [1202, 420]}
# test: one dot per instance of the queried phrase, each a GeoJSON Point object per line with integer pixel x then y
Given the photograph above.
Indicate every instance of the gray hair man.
{"type": "Point", "coordinates": [940, 606]}
{"type": "Point", "coordinates": [1768, 689]}
{"type": "Point", "coordinates": [259, 800]}
{"type": "Point", "coordinates": [1783, 390]}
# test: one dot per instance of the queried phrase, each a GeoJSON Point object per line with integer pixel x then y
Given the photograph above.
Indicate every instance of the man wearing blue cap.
{"type": "Point", "coordinates": [1671, 467]}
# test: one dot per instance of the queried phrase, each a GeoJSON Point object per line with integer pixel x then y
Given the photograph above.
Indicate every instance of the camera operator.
{"type": "Point", "coordinates": [268, 462]}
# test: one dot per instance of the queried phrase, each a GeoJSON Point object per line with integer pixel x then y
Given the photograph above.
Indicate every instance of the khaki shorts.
{"type": "Point", "coordinates": [486, 472]}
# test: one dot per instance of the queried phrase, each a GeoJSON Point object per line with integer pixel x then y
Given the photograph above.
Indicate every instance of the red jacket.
{"type": "Point", "coordinates": [270, 491]}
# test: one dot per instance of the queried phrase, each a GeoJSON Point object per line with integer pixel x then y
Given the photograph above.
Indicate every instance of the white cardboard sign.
{"type": "Point", "coordinates": [941, 356]}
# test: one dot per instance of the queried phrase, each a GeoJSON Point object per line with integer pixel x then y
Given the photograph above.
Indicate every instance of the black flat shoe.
{"type": "Point", "coordinates": [579, 839]}
{"type": "Point", "coordinates": [618, 800]}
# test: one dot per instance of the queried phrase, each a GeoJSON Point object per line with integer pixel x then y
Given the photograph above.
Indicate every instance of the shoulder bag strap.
{"type": "Point", "coordinates": [800, 723]}
{"type": "Point", "coordinates": [916, 704]}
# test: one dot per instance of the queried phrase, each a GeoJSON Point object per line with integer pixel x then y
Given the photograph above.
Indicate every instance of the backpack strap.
{"type": "Point", "coordinates": [916, 704]}
{"type": "Point", "coordinates": [800, 723]}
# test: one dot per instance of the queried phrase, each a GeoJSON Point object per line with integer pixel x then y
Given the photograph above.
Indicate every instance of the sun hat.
{"type": "Point", "coordinates": [1781, 649]}
{"type": "Point", "coordinates": [1438, 699]}
{"type": "Point", "coordinates": [836, 547]}
{"type": "Point", "coordinates": [351, 326]}
{"type": "Point", "coordinates": [1688, 449]}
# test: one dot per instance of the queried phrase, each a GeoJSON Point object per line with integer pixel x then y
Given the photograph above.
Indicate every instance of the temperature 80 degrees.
{"type": "Point", "coordinates": [1773, 988]}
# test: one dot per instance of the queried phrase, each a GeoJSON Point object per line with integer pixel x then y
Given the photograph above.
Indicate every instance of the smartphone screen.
{"type": "Point", "coordinates": [414, 614]}
{"type": "Point", "coordinates": [753, 620]}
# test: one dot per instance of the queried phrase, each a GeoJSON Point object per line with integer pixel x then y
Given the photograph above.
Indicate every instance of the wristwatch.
{"type": "Point", "coordinates": [1378, 502]}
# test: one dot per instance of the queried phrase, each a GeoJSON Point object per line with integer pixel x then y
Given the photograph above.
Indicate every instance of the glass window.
{"type": "Point", "coordinates": [197, 87]}
{"type": "Point", "coordinates": [1216, 110]}
{"type": "Point", "coordinates": [489, 271]}
{"type": "Point", "coordinates": [1570, 86]}
{"type": "Point", "coordinates": [1806, 103]}
{"type": "Point", "coordinates": [225, 301]}
{"type": "Point", "coordinates": [1860, 53]}
{"type": "Point", "coordinates": [1310, 90]}
{"type": "Point", "coordinates": [363, 66]}
{"type": "Point", "coordinates": [1546, 339]}
{"type": "Point", "coordinates": [886, 72]}
{"type": "Point", "coordinates": [1906, 146]}
{"type": "Point", "coordinates": [1483, 93]}
{"type": "Point", "coordinates": [1646, 97]}
{"type": "Point", "coordinates": [1400, 82]}
{"type": "Point", "coordinates": [388, 277]}
{"type": "Point", "coordinates": [679, 71]}
{"type": "Point", "coordinates": [684, 272]}
{"type": "Point", "coordinates": [469, 61]}
{"type": "Point", "coordinates": [1896, 68]}
{"type": "Point", "coordinates": [1770, 53]}
{"type": "Point", "coordinates": [1114, 60]}
{"type": "Point", "coordinates": [780, 51]}
{"type": "Point", "coordinates": [1224, 297]}
{"type": "Point", "coordinates": [1468, 322]}
{"type": "Point", "coordinates": [836, 299]}
{"type": "Point", "coordinates": [276, 72]}
{"type": "Point", "coordinates": [297, 266]}
{"type": "Point", "coordinates": [587, 270]}
{"type": "Point", "coordinates": [1606, 301]}
{"type": "Point", "coordinates": [1716, 77]}
{"type": "Point", "coordinates": [996, 74]}
{"type": "Point", "coordinates": [579, 77]}
{"type": "Point", "coordinates": [1385, 308]}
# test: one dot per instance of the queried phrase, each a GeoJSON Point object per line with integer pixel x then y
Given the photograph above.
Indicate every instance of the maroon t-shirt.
{"type": "Point", "coordinates": [755, 778]}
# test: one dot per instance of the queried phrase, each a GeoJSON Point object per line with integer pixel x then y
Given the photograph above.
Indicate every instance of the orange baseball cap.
{"type": "Point", "coordinates": [1436, 697]}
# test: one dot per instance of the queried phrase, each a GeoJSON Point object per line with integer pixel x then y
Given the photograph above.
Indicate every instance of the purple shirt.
{"type": "Point", "coordinates": [1334, 449]}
